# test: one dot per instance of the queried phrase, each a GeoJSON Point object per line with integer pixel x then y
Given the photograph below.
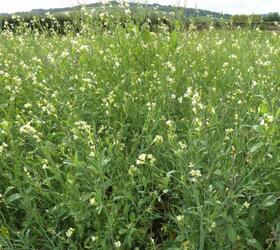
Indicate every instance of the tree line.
{"type": "Point", "coordinates": [61, 23]}
{"type": "Point", "coordinates": [247, 19]}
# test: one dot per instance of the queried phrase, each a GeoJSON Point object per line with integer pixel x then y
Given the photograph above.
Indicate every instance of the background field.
{"type": "Point", "coordinates": [119, 137]}
{"type": "Point", "coordinates": [141, 12]}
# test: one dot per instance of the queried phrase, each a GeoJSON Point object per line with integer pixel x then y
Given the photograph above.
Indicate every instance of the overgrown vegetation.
{"type": "Point", "coordinates": [119, 136]}
{"type": "Point", "coordinates": [272, 17]}
{"type": "Point", "coordinates": [140, 13]}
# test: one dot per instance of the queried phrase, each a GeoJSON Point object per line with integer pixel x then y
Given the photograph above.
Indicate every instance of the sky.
{"type": "Point", "coordinates": [225, 6]}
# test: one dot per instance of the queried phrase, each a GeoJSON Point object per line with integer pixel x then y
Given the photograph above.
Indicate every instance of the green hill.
{"type": "Point", "coordinates": [189, 12]}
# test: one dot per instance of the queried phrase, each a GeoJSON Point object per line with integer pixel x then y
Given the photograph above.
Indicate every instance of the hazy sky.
{"type": "Point", "coordinates": [226, 6]}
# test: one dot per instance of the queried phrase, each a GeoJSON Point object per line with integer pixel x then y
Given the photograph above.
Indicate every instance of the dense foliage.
{"type": "Point", "coordinates": [272, 17]}
{"type": "Point", "coordinates": [131, 139]}
{"type": "Point", "coordinates": [246, 19]}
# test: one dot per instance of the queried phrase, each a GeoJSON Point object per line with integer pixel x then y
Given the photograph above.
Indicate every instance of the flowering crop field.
{"type": "Point", "coordinates": [131, 139]}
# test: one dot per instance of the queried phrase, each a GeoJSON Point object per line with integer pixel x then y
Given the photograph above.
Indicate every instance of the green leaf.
{"type": "Point", "coordinates": [256, 147]}
{"type": "Point", "coordinates": [264, 108]}
{"type": "Point", "coordinates": [3, 105]}
{"type": "Point", "coordinates": [254, 243]}
{"type": "Point", "coordinates": [122, 231]}
{"type": "Point", "coordinates": [258, 128]}
{"type": "Point", "coordinates": [231, 232]}
{"type": "Point", "coordinates": [269, 201]}
{"type": "Point", "coordinates": [12, 198]}
{"type": "Point", "coordinates": [278, 113]}
{"type": "Point", "coordinates": [4, 231]}
{"type": "Point", "coordinates": [8, 189]}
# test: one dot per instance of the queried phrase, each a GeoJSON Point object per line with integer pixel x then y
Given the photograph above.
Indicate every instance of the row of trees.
{"type": "Point", "coordinates": [61, 23]}
{"type": "Point", "coordinates": [247, 19]}
{"type": "Point", "coordinates": [272, 17]}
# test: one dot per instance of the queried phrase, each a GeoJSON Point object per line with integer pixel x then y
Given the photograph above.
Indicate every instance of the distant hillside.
{"type": "Point", "coordinates": [189, 12]}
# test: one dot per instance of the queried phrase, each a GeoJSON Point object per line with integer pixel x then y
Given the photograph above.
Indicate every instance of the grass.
{"type": "Point", "coordinates": [130, 139]}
